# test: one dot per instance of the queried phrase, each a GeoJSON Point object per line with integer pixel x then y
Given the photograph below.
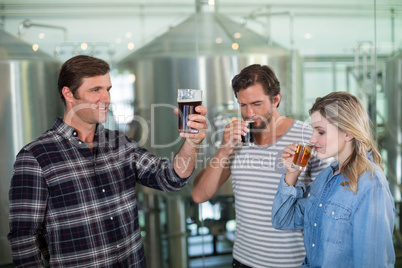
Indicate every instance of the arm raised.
{"type": "Point", "coordinates": [210, 179]}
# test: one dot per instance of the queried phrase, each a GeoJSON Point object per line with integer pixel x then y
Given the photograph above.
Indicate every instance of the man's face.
{"type": "Point", "coordinates": [91, 101]}
{"type": "Point", "coordinates": [255, 105]}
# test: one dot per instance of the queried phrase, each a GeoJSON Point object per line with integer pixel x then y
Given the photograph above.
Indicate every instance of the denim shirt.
{"type": "Point", "coordinates": [341, 229]}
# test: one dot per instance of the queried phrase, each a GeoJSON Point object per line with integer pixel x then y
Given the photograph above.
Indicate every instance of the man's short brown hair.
{"type": "Point", "coordinates": [75, 69]}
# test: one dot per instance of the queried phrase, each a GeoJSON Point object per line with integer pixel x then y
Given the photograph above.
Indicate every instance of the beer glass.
{"type": "Point", "coordinates": [248, 139]}
{"type": "Point", "coordinates": [302, 155]}
{"type": "Point", "coordinates": [188, 99]}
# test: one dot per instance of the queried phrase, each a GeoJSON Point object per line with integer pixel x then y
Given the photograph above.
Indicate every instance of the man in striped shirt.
{"type": "Point", "coordinates": [256, 172]}
{"type": "Point", "coordinates": [72, 195]}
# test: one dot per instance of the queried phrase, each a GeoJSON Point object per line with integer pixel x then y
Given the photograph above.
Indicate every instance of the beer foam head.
{"type": "Point", "coordinates": [189, 95]}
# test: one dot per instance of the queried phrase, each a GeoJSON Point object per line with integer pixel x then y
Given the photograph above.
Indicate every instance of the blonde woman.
{"type": "Point", "coordinates": [348, 212]}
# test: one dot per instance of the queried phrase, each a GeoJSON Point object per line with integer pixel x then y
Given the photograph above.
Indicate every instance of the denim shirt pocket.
{"type": "Point", "coordinates": [337, 224]}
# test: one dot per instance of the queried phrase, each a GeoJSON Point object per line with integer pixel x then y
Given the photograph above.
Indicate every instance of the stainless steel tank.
{"type": "Point", "coordinates": [205, 52]}
{"type": "Point", "coordinates": [199, 53]}
{"type": "Point", "coordinates": [393, 141]}
{"type": "Point", "coordinates": [29, 103]}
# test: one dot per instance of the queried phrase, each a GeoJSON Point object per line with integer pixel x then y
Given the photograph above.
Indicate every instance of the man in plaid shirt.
{"type": "Point", "coordinates": [72, 196]}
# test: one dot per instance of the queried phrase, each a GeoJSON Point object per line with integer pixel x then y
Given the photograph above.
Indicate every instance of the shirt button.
{"type": "Point", "coordinates": [117, 246]}
{"type": "Point", "coordinates": [69, 139]}
{"type": "Point", "coordinates": [75, 133]}
{"type": "Point", "coordinates": [308, 195]}
{"type": "Point", "coordinates": [320, 205]}
{"type": "Point", "coordinates": [111, 218]}
{"type": "Point", "coordinates": [333, 212]}
{"type": "Point", "coordinates": [315, 224]}
{"type": "Point", "coordinates": [103, 190]}
{"type": "Point", "coordinates": [313, 245]}
{"type": "Point", "coordinates": [79, 142]}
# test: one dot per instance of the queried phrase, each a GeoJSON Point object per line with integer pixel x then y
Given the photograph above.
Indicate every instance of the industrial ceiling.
{"type": "Point", "coordinates": [114, 29]}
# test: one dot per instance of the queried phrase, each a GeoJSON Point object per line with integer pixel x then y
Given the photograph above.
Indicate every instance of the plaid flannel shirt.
{"type": "Point", "coordinates": [77, 208]}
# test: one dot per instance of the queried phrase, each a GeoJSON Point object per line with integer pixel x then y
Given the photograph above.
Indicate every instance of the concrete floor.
{"type": "Point", "coordinates": [225, 261]}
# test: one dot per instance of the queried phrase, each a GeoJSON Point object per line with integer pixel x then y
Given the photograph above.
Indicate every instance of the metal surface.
{"type": "Point", "coordinates": [29, 103]}
{"type": "Point", "coordinates": [204, 52]}
{"type": "Point", "coordinates": [177, 236]}
{"type": "Point", "coordinates": [393, 140]}
{"type": "Point", "coordinates": [152, 229]}
{"type": "Point", "coordinates": [188, 56]}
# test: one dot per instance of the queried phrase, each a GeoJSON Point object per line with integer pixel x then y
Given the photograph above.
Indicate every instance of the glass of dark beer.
{"type": "Point", "coordinates": [248, 139]}
{"type": "Point", "coordinates": [303, 153]}
{"type": "Point", "coordinates": [187, 100]}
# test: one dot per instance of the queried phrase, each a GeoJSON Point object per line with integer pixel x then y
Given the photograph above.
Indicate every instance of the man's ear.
{"type": "Point", "coordinates": [68, 95]}
{"type": "Point", "coordinates": [277, 99]}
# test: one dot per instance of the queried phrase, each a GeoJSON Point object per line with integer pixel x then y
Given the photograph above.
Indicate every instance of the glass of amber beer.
{"type": "Point", "coordinates": [303, 153]}
{"type": "Point", "coordinates": [187, 99]}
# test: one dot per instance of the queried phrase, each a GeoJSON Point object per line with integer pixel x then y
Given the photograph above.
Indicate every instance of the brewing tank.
{"type": "Point", "coordinates": [205, 52]}
{"type": "Point", "coordinates": [29, 103]}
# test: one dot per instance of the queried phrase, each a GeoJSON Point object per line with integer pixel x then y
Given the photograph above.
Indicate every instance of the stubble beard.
{"type": "Point", "coordinates": [264, 121]}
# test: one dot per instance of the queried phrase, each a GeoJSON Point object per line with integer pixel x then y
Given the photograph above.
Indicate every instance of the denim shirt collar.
{"type": "Point", "coordinates": [334, 166]}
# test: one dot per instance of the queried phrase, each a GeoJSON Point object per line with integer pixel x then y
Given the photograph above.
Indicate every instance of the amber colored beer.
{"type": "Point", "coordinates": [248, 139]}
{"type": "Point", "coordinates": [185, 109]}
{"type": "Point", "coordinates": [302, 155]}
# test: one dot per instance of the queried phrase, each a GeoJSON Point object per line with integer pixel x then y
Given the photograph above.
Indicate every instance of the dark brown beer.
{"type": "Point", "coordinates": [185, 109]}
{"type": "Point", "coordinates": [302, 155]}
{"type": "Point", "coordinates": [248, 139]}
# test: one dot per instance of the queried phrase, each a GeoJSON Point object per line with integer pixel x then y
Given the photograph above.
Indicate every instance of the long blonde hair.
{"type": "Point", "coordinates": [345, 111]}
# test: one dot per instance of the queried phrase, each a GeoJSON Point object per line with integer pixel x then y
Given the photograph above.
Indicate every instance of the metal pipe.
{"type": "Point", "coordinates": [391, 133]}
{"type": "Point", "coordinates": [334, 82]}
{"type": "Point", "coordinates": [173, 11]}
{"type": "Point", "coordinates": [393, 29]}
{"type": "Point", "coordinates": [373, 95]}
{"type": "Point", "coordinates": [28, 24]}
{"type": "Point", "coordinates": [3, 18]}
{"type": "Point", "coordinates": [152, 239]}
{"type": "Point", "coordinates": [175, 4]}
{"type": "Point", "coordinates": [177, 235]}
{"type": "Point", "coordinates": [360, 49]}
{"type": "Point", "coordinates": [91, 46]}
{"type": "Point", "coordinates": [270, 14]}
{"type": "Point", "coordinates": [293, 78]}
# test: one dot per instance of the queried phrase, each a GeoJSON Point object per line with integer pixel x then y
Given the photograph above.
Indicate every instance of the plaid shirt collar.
{"type": "Point", "coordinates": [69, 133]}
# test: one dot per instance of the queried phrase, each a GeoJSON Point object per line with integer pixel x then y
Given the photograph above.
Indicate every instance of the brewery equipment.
{"type": "Point", "coordinates": [393, 142]}
{"type": "Point", "coordinates": [203, 52]}
{"type": "Point", "coordinates": [29, 104]}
